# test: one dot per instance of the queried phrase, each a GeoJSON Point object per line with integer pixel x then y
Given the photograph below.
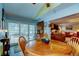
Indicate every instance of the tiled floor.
{"type": "Point", "coordinates": [15, 51]}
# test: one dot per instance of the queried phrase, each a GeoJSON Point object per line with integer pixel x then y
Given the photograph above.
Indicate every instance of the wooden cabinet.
{"type": "Point", "coordinates": [40, 27]}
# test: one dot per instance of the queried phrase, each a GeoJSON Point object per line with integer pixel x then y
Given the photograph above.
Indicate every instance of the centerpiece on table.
{"type": "Point", "coordinates": [45, 39]}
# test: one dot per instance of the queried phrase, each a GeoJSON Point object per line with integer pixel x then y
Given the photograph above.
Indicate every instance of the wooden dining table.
{"type": "Point", "coordinates": [54, 48]}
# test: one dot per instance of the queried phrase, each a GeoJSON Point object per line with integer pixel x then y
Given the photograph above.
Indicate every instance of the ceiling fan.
{"type": "Point", "coordinates": [47, 4]}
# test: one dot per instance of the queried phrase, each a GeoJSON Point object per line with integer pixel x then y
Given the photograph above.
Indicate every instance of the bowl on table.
{"type": "Point", "coordinates": [46, 40]}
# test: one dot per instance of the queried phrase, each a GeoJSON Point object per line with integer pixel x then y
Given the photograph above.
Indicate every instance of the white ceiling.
{"type": "Point", "coordinates": [36, 11]}
{"type": "Point", "coordinates": [28, 10]}
{"type": "Point", "coordinates": [22, 9]}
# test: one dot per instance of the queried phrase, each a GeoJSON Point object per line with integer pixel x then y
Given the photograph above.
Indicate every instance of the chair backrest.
{"type": "Point", "coordinates": [22, 43]}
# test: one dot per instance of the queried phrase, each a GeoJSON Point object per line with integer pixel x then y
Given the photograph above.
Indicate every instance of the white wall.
{"type": "Point", "coordinates": [62, 12]}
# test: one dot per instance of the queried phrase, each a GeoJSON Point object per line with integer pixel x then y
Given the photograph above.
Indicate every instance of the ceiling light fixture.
{"type": "Point", "coordinates": [33, 3]}
{"type": "Point", "coordinates": [47, 4]}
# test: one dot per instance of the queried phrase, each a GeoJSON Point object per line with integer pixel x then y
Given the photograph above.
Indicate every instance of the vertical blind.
{"type": "Point", "coordinates": [31, 32]}
{"type": "Point", "coordinates": [16, 30]}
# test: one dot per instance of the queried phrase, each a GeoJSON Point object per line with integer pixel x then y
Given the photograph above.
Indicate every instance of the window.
{"type": "Point", "coordinates": [31, 32]}
{"type": "Point", "coordinates": [24, 30]}
{"type": "Point", "coordinates": [13, 29]}
{"type": "Point", "coordinates": [16, 30]}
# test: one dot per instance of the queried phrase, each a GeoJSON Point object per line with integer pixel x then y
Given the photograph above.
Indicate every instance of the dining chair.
{"type": "Point", "coordinates": [22, 43]}
{"type": "Point", "coordinates": [74, 42]}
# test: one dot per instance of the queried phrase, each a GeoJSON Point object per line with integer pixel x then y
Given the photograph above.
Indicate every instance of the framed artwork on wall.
{"type": "Point", "coordinates": [69, 27]}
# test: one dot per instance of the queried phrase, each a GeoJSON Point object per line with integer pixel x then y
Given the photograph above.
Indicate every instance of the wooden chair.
{"type": "Point", "coordinates": [74, 42]}
{"type": "Point", "coordinates": [22, 43]}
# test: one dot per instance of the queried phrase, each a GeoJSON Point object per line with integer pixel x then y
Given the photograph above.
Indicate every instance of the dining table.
{"type": "Point", "coordinates": [53, 48]}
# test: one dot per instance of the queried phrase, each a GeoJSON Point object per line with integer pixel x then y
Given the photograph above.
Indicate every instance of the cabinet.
{"type": "Point", "coordinates": [40, 27]}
